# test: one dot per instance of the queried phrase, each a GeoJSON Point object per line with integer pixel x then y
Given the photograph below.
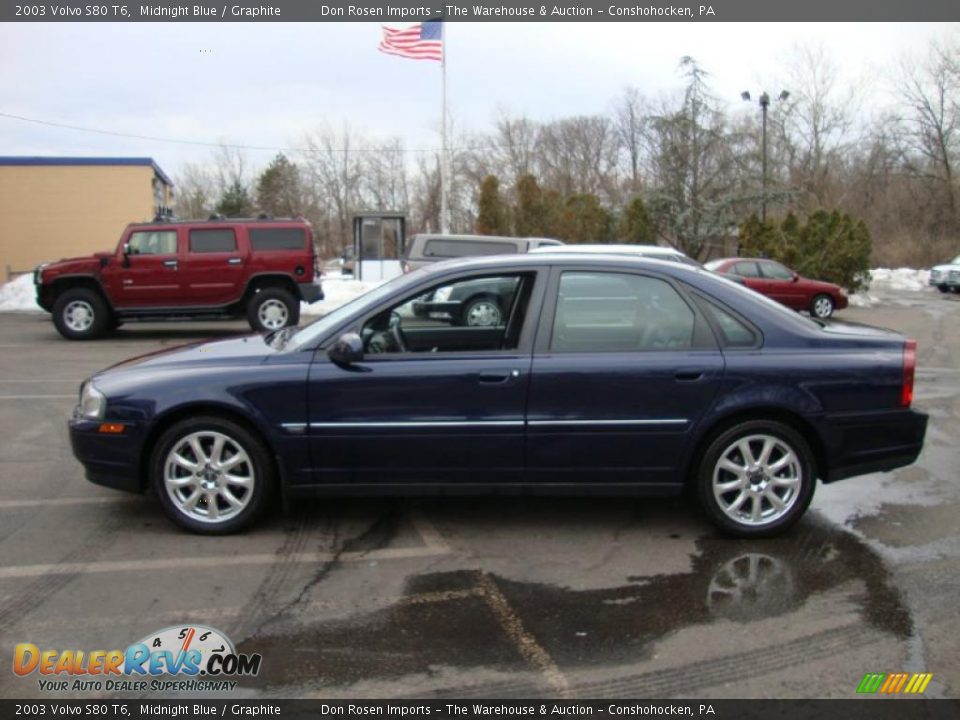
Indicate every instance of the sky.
{"type": "Point", "coordinates": [269, 84]}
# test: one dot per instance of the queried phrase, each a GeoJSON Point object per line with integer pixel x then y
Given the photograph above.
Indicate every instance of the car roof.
{"type": "Point", "coordinates": [611, 260]}
{"type": "Point", "coordinates": [220, 221]}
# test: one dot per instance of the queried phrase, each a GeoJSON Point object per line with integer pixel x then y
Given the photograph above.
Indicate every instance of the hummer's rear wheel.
{"type": "Point", "coordinates": [272, 309]}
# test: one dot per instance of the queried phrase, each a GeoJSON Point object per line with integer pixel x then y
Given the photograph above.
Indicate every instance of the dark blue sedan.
{"type": "Point", "coordinates": [541, 374]}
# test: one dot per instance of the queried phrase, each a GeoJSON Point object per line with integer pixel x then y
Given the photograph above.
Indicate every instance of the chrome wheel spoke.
{"type": "Point", "coordinates": [231, 498]}
{"type": "Point", "coordinates": [216, 452]}
{"type": "Point", "coordinates": [738, 502]}
{"type": "Point", "coordinates": [198, 450]}
{"type": "Point", "coordinates": [730, 466]}
{"type": "Point", "coordinates": [184, 463]}
{"type": "Point", "coordinates": [213, 509]}
{"type": "Point", "coordinates": [732, 485]}
{"type": "Point", "coordinates": [231, 462]}
{"type": "Point", "coordinates": [765, 452]}
{"type": "Point", "coordinates": [746, 452]}
{"type": "Point", "coordinates": [774, 499]}
{"type": "Point", "coordinates": [755, 508]}
{"type": "Point", "coordinates": [780, 464]}
{"type": "Point", "coordinates": [789, 482]}
{"type": "Point", "coordinates": [240, 480]}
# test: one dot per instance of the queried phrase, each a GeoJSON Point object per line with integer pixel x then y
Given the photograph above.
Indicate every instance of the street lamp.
{"type": "Point", "coordinates": [764, 104]}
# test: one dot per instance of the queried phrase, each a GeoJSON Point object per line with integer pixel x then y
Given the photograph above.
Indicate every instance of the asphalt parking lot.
{"type": "Point", "coordinates": [487, 597]}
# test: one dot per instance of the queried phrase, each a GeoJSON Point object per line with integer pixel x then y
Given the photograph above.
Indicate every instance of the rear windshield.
{"type": "Point", "coordinates": [467, 248]}
{"type": "Point", "coordinates": [278, 238]}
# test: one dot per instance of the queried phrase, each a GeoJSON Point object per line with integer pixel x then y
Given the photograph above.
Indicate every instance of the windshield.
{"type": "Point", "coordinates": [309, 334]}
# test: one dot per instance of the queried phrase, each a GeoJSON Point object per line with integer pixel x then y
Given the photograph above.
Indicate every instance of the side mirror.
{"type": "Point", "coordinates": [347, 350]}
{"type": "Point", "coordinates": [126, 254]}
{"type": "Point", "coordinates": [796, 277]}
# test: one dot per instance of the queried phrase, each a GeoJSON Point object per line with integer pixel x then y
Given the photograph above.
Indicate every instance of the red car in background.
{"type": "Point", "coordinates": [782, 284]}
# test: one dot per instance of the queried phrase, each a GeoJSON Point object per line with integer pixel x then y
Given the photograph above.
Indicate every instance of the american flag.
{"type": "Point", "coordinates": [423, 41]}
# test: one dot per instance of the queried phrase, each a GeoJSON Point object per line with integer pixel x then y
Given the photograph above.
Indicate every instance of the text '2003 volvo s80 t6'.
{"type": "Point", "coordinates": [539, 374]}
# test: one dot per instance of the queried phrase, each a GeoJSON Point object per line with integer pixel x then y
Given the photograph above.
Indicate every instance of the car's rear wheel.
{"type": "Point", "coordinates": [81, 314]}
{"type": "Point", "coordinates": [756, 479]}
{"type": "Point", "coordinates": [271, 309]}
{"type": "Point", "coordinates": [483, 311]}
{"type": "Point", "coordinates": [943, 288]}
{"type": "Point", "coordinates": [822, 306]}
{"type": "Point", "coordinates": [212, 475]}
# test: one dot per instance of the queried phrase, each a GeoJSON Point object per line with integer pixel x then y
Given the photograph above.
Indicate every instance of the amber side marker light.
{"type": "Point", "coordinates": [909, 370]}
{"type": "Point", "coordinates": [111, 428]}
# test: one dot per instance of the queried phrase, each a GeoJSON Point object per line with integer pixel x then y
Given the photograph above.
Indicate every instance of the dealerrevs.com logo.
{"type": "Point", "coordinates": [178, 658]}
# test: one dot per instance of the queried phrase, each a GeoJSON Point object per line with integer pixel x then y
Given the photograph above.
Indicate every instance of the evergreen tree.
{"type": "Point", "coordinates": [492, 215]}
{"type": "Point", "coordinates": [636, 225]}
{"type": "Point", "coordinates": [235, 201]}
{"type": "Point", "coordinates": [279, 188]}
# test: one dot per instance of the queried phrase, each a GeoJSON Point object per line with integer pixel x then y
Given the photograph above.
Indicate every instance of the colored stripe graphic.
{"type": "Point", "coordinates": [893, 683]}
{"type": "Point", "coordinates": [871, 682]}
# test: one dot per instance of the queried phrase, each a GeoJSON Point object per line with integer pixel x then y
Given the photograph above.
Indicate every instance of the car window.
{"type": "Point", "coordinates": [775, 271]}
{"type": "Point", "coordinates": [278, 238]}
{"type": "Point", "coordinates": [213, 241]}
{"type": "Point", "coordinates": [466, 248]}
{"type": "Point", "coordinates": [734, 332]}
{"type": "Point", "coordinates": [746, 269]}
{"type": "Point", "coordinates": [475, 314]}
{"type": "Point", "coordinates": [153, 242]}
{"type": "Point", "coordinates": [607, 312]}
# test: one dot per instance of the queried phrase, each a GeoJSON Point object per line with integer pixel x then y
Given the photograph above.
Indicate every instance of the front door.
{"type": "Point", "coordinates": [624, 368]}
{"type": "Point", "coordinates": [440, 394]}
{"type": "Point", "coordinates": [150, 276]}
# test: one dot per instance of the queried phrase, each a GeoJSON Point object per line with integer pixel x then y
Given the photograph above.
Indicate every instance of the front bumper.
{"type": "Point", "coordinates": [310, 292]}
{"type": "Point", "coordinates": [861, 443]}
{"type": "Point", "coordinates": [111, 460]}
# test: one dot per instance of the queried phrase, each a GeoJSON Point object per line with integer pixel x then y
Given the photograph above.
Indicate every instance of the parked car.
{"type": "Point", "coordinates": [946, 277]}
{"type": "Point", "coordinates": [428, 248]}
{"type": "Point", "coordinates": [199, 269]}
{"type": "Point", "coordinates": [604, 375]}
{"type": "Point", "coordinates": [777, 281]}
{"type": "Point", "coordinates": [655, 252]}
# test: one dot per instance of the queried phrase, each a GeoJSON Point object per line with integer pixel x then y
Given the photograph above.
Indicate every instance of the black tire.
{"type": "Point", "coordinates": [756, 482]}
{"type": "Point", "coordinates": [943, 288]}
{"type": "Point", "coordinates": [259, 468]}
{"type": "Point", "coordinates": [471, 305]}
{"type": "Point", "coordinates": [269, 300]}
{"type": "Point", "coordinates": [81, 314]}
{"type": "Point", "coordinates": [822, 306]}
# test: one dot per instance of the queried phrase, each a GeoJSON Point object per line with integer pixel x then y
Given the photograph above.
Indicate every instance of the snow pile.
{"type": "Point", "coordinates": [899, 279]}
{"type": "Point", "coordinates": [19, 295]}
{"type": "Point", "coordinates": [337, 290]}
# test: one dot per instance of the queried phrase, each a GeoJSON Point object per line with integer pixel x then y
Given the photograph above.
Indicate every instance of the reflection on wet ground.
{"type": "Point", "coordinates": [470, 619]}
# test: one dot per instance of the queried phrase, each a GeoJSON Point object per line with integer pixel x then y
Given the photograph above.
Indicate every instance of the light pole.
{"type": "Point", "coordinates": [764, 104]}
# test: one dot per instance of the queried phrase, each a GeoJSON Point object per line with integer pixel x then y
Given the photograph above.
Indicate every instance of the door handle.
{"type": "Point", "coordinates": [494, 378]}
{"type": "Point", "coordinates": [170, 263]}
{"type": "Point", "coordinates": [688, 375]}
{"type": "Point", "coordinates": [234, 261]}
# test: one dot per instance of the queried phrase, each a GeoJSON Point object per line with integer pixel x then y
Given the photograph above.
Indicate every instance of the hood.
{"type": "Point", "coordinates": [247, 350]}
{"type": "Point", "coordinates": [86, 263]}
{"type": "Point", "coordinates": [822, 285]}
{"type": "Point", "coordinates": [946, 267]}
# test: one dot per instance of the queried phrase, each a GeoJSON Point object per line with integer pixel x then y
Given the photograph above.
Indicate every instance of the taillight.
{"type": "Point", "coordinates": [405, 267]}
{"type": "Point", "coordinates": [909, 370]}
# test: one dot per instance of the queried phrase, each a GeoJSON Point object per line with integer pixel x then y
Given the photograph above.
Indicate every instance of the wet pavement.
{"type": "Point", "coordinates": [511, 597]}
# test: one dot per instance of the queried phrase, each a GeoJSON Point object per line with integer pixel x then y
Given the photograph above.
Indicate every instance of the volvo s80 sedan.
{"type": "Point", "coordinates": [600, 375]}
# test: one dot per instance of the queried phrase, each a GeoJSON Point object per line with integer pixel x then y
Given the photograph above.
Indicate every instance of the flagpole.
{"type": "Point", "coordinates": [444, 170]}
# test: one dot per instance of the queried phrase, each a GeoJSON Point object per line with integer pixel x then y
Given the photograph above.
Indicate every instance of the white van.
{"type": "Point", "coordinates": [429, 248]}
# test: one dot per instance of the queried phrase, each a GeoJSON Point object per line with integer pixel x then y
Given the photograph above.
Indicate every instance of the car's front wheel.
{"type": "Point", "coordinates": [943, 288]}
{"type": "Point", "coordinates": [756, 479]}
{"type": "Point", "coordinates": [81, 314]}
{"type": "Point", "coordinates": [272, 309]}
{"type": "Point", "coordinates": [822, 307]}
{"type": "Point", "coordinates": [212, 476]}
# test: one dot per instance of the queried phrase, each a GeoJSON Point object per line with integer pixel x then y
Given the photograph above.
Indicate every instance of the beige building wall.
{"type": "Point", "coordinates": [50, 212]}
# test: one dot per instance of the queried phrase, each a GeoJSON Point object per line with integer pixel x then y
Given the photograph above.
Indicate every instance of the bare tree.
{"type": "Point", "coordinates": [197, 193]}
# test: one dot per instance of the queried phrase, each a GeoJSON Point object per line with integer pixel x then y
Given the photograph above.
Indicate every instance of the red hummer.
{"type": "Point", "coordinates": [202, 269]}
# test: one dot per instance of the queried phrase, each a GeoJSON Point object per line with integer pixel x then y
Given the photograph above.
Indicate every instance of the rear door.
{"type": "Point", "coordinates": [212, 265]}
{"type": "Point", "coordinates": [624, 368]}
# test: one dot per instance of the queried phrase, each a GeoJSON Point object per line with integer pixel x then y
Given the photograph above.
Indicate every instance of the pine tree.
{"type": "Point", "coordinates": [492, 216]}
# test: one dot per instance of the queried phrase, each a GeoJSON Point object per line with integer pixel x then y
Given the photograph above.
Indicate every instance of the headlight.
{"type": "Point", "coordinates": [92, 402]}
{"type": "Point", "coordinates": [443, 294]}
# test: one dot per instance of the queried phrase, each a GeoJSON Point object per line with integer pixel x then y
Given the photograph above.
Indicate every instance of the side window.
{"type": "Point", "coordinates": [733, 332]}
{"type": "Point", "coordinates": [212, 241]}
{"type": "Point", "coordinates": [478, 314]}
{"type": "Point", "coordinates": [277, 238]}
{"type": "Point", "coordinates": [610, 312]}
{"type": "Point", "coordinates": [775, 271]}
{"type": "Point", "coordinates": [153, 242]}
{"type": "Point", "coordinates": [467, 248]}
{"type": "Point", "coordinates": [746, 269]}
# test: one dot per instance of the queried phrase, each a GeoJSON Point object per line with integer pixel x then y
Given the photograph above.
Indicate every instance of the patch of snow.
{"type": "Point", "coordinates": [337, 290]}
{"type": "Point", "coordinates": [19, 295]}
{"type": "Point", "coordinates": [862, 299]}
{"type": "Point", "coordinates": [899, 279]}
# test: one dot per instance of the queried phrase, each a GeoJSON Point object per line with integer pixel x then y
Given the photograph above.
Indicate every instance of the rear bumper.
{"type": "Point", "coordinates": [108, 460]}
{"type": "Point", "coordinates": [861, 443]}
{"type": "Point", "coordinates": [310, 292]}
